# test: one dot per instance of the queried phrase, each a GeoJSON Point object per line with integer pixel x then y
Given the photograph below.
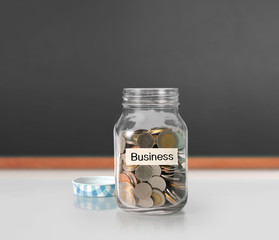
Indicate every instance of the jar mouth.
{"type": "Point", "coordinates": [150, 97]}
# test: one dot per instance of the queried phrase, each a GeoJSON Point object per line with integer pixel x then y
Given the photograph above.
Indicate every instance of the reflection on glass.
{"type": "Point", "coordinates": [126, 221]}
{"type": "Point", "coordinates": [94, 203]}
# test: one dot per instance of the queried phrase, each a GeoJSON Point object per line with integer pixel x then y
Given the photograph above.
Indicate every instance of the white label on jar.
{"type": "Point", "coordinates": [151, 156]}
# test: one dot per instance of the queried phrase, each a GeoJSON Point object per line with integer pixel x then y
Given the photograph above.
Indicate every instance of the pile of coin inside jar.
{"type": "Point", "coordinates": [148, 186]}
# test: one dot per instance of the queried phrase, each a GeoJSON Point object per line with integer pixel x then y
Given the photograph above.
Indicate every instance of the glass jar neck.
{"type": "Point", "coordinates": [131, 109]}
{"type": "Point", "coordinates": [150, 98]}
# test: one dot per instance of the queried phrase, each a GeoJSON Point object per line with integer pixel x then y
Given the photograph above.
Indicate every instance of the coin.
{"type": "Point", "coordinates": [127, 194]}
{"type": "Point", "coordinates": [181, 160]}
{"type": "Point", "coordinates": [150, 186]}
{"type": "Point", "coordinates": [127, 197]}
{"type": "Point", "coordinates": [122, 144]}
{"type": "Point", "coordinates": [157, 182]}
{"type": "Point", "coordinates": [169, 177]}
{"type": "Point", "coordinates": [132, 178]}
{"type": "Point", "coordinates": [172, 197]}
{"type": "Point", "coordinates": [139, 131]}
{"type": "Point", "coordinates": [143, 172]}
{"type": "Point", "coordinates": [124, 178]}
{"type": "Point", "coordinates": [127, 176]}
{"type": "Point", "coordinates": [132, 135]}
{"type": "Point", "coordinates": [158, 198]}
{"type": "Point", "coordinates": [146, 203]}
{"type": "Point", "coordinates": [143, 190]}
{"type": "Point", "coordinates": [156, 131]}
{"type": "Point", "coordinates": [178, 185]}
{"type": "Point", "coordinates": [123, 157]}
{"type": "Point", "coordinates": [134, 146]}
{"type": "Point", "coordinates": [127, 185]}
{"type": "Point", "coordinates": [129, 168]}
{"type": "Point", "coordinates": [181, 141]}
{"type": "Point", "coordinates": [128, 136]}
{"type": "Point", "coordinates": [145, 140]}
{"type": "Point", "coordinates": [175, 196]}
{"type": "Point", "coordinates": [156, 170]}
{"type": "Point", "coordinates": [168, 169]}
{"type": "Point", "coordinates": [167, 139]}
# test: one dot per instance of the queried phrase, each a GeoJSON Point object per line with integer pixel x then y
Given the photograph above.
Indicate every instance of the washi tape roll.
{"type": "Point", "coordinates": [95, 186]}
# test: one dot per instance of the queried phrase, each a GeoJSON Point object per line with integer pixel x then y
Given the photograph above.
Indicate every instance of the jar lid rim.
{"type": "Point", "coordinates": [150, 91]}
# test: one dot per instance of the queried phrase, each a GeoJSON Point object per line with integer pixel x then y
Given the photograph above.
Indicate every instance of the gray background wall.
{"type": "Point", "coordinates": [63, 65]}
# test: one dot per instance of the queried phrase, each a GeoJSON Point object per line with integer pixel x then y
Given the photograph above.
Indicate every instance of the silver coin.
{"type": "Point", "coordinates": [156, 170]}
{"type": "Point", "coordinates": [127, 197]}
{"type": "Point", "coordinates": [143, 191]}
{"type": "Point", "coordinates": [145, 140]}
{"type": "Point", "coordinates": [122, 144]}
{"type": "Point", "coordinates": [129, 168]}
{"type": "Point", "coordinates": [146, 203]}
{"type": "Point", "coordinates": [165, 171]}
{"type": "Point", "coordinates": [169, 177]}
{"type": "Point", "coordinates": [143, 172]}
{"type": "Point", "coordinates": [157, 182]}
{"type": "Point", "coordinates": [172, 197]}
{"type": "Point", "coordinates": [127, 185]}
{"type": "Point", "coordinates": [176, 195]}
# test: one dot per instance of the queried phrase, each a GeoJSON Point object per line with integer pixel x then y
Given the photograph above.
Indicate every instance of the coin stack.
{"type": "Point", "coordinates": [148, 186]}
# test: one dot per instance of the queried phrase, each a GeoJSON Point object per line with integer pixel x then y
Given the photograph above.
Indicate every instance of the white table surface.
{"type": "Point", "coordinates": [222, 205]}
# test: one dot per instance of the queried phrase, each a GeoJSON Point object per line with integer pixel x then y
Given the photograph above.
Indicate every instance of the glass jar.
{"type": "Point", "coordinates": [151, 152]}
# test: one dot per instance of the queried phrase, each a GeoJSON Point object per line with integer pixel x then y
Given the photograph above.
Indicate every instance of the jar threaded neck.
{"type": "Point", "coordinates": [155, 97]}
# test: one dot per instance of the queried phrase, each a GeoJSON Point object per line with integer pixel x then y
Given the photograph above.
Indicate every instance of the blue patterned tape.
{"type": "Point", "coordinates": [94, 186]}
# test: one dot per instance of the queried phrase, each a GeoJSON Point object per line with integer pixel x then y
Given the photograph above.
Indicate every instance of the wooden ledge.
{"type": "Point", "coordinates": [107, 162]}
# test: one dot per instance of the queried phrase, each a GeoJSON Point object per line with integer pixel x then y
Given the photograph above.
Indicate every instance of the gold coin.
{"type": "Point", "coordinates": [157, 130]}
{"type": "Point", "coordinates": [167, 139]}
{"type": "Point", "coordinates": [178, 185]}
{"type": "Point", "coordinates": [170, 199]}
{"type": "Point", "coordinates": [128, 136]}
{"type": "Point", "coordinates": [173, 199]}
{"type": "Point", "coordinates": [158, 198]}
